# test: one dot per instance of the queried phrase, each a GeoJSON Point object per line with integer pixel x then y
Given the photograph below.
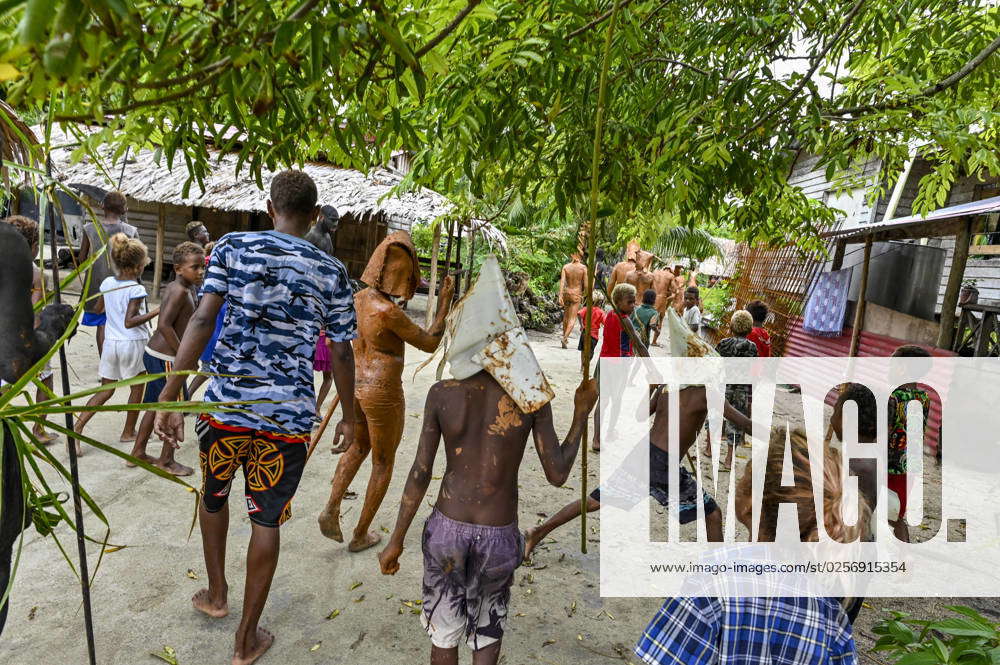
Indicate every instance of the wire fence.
{"type": "Point", "coordinates": [782, 278]}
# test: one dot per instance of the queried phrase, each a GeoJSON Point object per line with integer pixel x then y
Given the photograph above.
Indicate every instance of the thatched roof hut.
{"type": "Point", "coordinates": [234, 202]}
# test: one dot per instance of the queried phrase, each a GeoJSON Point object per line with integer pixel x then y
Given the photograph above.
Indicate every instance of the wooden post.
{"type": "Point", "coordinates": [161, 230]}
{"type": "Point", "coordinates": [432, 287]}
{"type": "Point", "coordinates": [859, 310]}
{"type": "Point", "coordinates": [447, 249]}
{"type": "Point", "coordinates": [946, 333]}
{"type": "Point", "coordinates": [472, 257]}
{"type": "Point", "coordinates": [458, 258]}
{"type": "Point", "coordinates": [838, 255]}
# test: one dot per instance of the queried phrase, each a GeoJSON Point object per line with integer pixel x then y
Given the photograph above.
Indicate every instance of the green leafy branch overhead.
{"type": "Point", "coordinates": [707, 104]}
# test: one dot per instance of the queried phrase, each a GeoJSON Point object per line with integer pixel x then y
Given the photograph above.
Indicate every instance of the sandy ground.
{"type": "Point", "coordinates": [141, 595]}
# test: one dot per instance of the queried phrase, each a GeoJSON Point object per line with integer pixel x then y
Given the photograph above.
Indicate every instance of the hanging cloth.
{"type": "Point", "coordinates": [824, 315]}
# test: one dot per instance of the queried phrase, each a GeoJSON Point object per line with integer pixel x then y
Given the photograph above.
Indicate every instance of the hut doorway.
{"type": "Point", "coordinates": [356, 239]}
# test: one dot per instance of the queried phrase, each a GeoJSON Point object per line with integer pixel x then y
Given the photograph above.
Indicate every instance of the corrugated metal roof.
{"type": "Point", "coordinates": [938, 222]}
{"type": "Point", "coordinates": [803, 345]}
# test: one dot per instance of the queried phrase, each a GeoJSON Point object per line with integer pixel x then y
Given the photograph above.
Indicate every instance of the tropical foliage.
{"type": "Point", "coordinates": [707, 102]}
{"type": "Point", "coordinates": [968, 638]}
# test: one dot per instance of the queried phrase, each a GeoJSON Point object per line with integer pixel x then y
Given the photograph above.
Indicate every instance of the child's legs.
{"type": "Point", "coordinates": [100, 340]}
{"type": "Point", "coordinates": [441, 656]}
{"type": "Point", "coordinates": [713, 526]}
{"type": "Point", "coordinates": [142, 436]}
{"type": "Point", "coordinates": [131, 417]}
{"type": "Point", "coordinates": [568, 513]}
{"type": "Point", "coordinates": [97, 399]}
{"type": "Point", "coordinates": [487, 655]}
{"type": "Point", "coordinates": [324, 390]}
{"type": "Point", "coordinates": [150, 395]}
{"type": "Point", "coordinates": [41, 396]}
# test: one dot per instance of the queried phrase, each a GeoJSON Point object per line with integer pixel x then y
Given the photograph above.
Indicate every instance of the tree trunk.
{"type": "Point", "coordinates": [432, 286]}
{"type": "Point", "coordinates": [161, 230]}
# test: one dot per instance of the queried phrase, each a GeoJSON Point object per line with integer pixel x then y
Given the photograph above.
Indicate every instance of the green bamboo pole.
{"type": "Point", "coordinates": [592, 258]}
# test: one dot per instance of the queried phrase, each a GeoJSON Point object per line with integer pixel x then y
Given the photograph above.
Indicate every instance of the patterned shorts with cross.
{"type": "Point", "coordinates": [272, 467]}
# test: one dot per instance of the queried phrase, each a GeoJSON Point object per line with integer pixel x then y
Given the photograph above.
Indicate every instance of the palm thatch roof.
{"type": "Point", "coordinates": [146, 177]}
{"type": "Point", "coordinates": [724, 265]}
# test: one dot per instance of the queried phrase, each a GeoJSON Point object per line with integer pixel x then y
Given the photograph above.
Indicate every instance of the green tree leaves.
{"type": "Point", "coordinates": [707, 103]}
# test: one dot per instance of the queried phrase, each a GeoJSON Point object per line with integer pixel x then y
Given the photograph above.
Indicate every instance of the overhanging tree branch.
{"type": "Point", "coordinates": [597, 21]}
{"type": "Point", "coordinates": [448, 29]}
{"type": "Point", "coordinates": [156, 101]}
{"type": "Point", "coordinates": [679, 63]}
{"type": "Point", "coordinates": [848, 19]}
{"type": "Point", "coordinates": [929, 91]}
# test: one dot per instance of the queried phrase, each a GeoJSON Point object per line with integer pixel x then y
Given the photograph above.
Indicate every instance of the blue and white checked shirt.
{"type": "Point", "coordinates": [748, 631]}
{"type": "Point", "coordinates": [280, 291]}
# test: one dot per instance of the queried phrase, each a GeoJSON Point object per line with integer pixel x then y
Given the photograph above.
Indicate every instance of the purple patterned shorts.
{"type": "Point", "coordinates": [468, 572]}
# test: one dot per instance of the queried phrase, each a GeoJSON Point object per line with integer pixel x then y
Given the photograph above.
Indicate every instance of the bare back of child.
{"type": "Point", "coordinates": [471, 541]}
{"type": "Point", "coordinates": [177, 306]}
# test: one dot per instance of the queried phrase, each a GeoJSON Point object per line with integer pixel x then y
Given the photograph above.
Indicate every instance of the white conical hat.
{"type": "Point", "coordinates": [486, 334]}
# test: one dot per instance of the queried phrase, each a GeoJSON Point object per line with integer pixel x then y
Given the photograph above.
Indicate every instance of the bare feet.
{"type": "Point", "coordinates": [143, 456]}
{"type": "Point", "coordinates": [329, 525]}
{"type": "Point", "coordinates": [175, 468]}
{"type": "Point", "coordinates": [127, 437]}
{"type": "Point", "coordinates": [79, 448]}
{"type": "Point", "coordinates": [203, 602]}
{"type": "Point", "coordinates": [564, 342]}
{"type": "Point", "coordinates": [596, 447]}
{"type": "Point", "coordinates": [371, 540]}
{"type": "Point", "coordinates": [260, 643]}
{"type": "Point", "coordinates": [43, 437]}
{"type": "Point", "coordinates": [531, 539]}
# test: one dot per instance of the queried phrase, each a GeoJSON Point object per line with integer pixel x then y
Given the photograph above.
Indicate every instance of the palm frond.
{"type": "Point", "coordinates": [695, 244]}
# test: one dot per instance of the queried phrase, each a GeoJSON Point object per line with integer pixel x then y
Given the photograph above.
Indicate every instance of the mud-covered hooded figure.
{"type": "Point", "coordinates": [384, 330]}
{"type": "Point", "coordinates": [393, 268]}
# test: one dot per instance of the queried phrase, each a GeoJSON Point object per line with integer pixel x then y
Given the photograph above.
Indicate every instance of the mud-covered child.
{"type": "Point", "coordinates": [177, 305]}
{"type": "Point", "coordinates": [471, 541]}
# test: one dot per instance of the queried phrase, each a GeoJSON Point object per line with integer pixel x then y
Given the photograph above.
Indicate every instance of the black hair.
{"type": "Point", "coordinates": [26, 227]}
{"type": "Point", "coordinates": [867, 408]}
{"type": "Point", "coordinates": [649, 297]}
{"type": "Point", "coordinates": [758, 310]}
{"type": "Point", "coordinates": [293, 192]}
{"type": "Point", "coordinates": [911, 351]}
{"type": "Point", "coordinates": [692, 289]}
{"type": "Point", "coordinates": [187, 249]}
{"type": "Point", "coordinates": [114, 202]}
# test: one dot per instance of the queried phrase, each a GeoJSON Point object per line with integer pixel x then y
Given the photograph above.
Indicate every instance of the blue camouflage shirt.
{"type": "Point", "coordinates": [280, 291]}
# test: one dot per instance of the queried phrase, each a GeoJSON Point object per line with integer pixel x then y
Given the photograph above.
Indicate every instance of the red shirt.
{"type": "Point", "coordinates": [760, 337]}
{"type": "Point", "coordinates": [617, 343]}
{"type": "Point", "coordinates": [596, 319]}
